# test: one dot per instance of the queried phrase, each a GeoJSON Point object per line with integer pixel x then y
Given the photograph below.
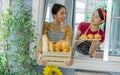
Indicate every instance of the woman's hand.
{"type": "Point", "coordinates": [94, 46]}
{"type": "Point", "coordinates": [40, 60]}
{"type": "Point", "coordinates": [79, 41]}
{"type": "Point", "coordinates": [69, 63]}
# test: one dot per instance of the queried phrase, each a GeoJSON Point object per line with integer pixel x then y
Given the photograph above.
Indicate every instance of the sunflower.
{"type": "Point", "coordinates": [52, 70]}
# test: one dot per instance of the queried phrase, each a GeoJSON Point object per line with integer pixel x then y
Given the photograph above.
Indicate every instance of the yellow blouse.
{"type": "Point", "coordinates": [47, 27]}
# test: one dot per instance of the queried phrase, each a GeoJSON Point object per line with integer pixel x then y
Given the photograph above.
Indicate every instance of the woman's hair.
{"type": "Point", "coordinates": [56, 7]}
{"type": "Point", "coordinates": [102, 13]}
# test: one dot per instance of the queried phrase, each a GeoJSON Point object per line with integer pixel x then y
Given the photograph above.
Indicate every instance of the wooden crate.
{"type": "Point", "coordinates": [56, 58]}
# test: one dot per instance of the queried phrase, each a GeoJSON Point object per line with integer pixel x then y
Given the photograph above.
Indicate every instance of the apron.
{"type": "Point", "coordinates": [55, 35]}
{"type": "Point", "coordinates": [84, 46]}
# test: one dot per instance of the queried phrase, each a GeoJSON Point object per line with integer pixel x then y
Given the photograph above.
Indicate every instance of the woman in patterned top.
{"type": "Point", "coordinates": [55, 30]}
{"type": "Point", "coordinates": [90, 47]}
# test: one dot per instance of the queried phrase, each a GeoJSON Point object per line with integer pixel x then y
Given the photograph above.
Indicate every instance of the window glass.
{"type": "Point", "coordinates": [116, 8]}
{"type": "Point", "coordinates": [80, 11]}
{"type": "Point", "coordinates": [114, 45]}
{"type": "Point", "coordinates": [1, 3]}
{"type": "Point", "coordinates": [83, 12]}
{"type": "Point", "coordinates": [79, 17]}
{"type": "Point", "coordinates": [48, 14]}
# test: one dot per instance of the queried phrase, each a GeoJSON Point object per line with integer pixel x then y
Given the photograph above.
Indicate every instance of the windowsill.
{"type": "Point", "coordinates": [94, 64]}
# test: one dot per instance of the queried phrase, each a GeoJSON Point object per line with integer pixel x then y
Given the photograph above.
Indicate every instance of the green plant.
{"type": "Point", "coordinates": [5, 24]}
{"type": "Point", "coordinates": [20, 25]}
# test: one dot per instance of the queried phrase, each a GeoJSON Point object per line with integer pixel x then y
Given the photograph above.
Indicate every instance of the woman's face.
{"type": "Point", "coordinates": [61, 15]}
{"type": "Point", "coordinates": [96, 20]}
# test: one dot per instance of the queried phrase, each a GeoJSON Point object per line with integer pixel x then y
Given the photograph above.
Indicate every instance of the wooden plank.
{"type": "Point", "coordinates": [56, 63]}
{"type": "Point", "coordinates": [65, 54]}
{"type": "Point", "coordinates": [56, 58]}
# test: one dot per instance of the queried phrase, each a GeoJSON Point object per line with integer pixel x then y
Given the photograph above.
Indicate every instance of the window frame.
{"type": "Point", "coordinates": [107, 57]}
{"type": "Point", "coordinates": [6, 4]}
{"type": "Point", "coordinates": [78, 63]}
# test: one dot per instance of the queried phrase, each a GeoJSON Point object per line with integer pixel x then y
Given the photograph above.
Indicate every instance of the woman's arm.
{"type": "Point", "coordinates": [78, 40]}
{"type": "Point", "coordinates": [68, 37]}
{"type": "Point", "coordinates": [45, 30]}
{"type": "Point", "coordinates": [68, 34]}
{"type": "Point", "coordinates": [78, 33]}
{"type": "Point", "coordinates": [40, 60]}
{"type": "Point", "coordinates": [94, 46]}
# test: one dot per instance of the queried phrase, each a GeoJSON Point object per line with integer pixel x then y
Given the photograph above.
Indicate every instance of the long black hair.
{"type": "Point", "coordinates": [102, 13]}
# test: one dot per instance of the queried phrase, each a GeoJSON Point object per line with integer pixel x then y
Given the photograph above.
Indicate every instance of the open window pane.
{"type": "Point", "coordinates": [79, 17]}
{"type": "Point", "coordinates": [1, 4]}
{"type": "Point", "coordinates": [116, 8]}
{"type": "Point", "coordinates": [114, 49]}
{"type": "Point", "coordinates": [114, 45]}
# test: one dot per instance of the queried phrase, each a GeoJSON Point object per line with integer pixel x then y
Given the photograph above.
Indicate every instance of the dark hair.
{"type": "Point", "coordinates": [102, 13]}
{"type": "Point", "coordinates": [56, 7]}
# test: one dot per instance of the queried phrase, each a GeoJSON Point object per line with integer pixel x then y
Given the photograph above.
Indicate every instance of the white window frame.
{"type": "Point", "coordinates": [107, 32]}
{"type": "Point", "coordinates": [37, 12]}
{"type": "Point", "coordinates": [6, 4]}
{"type": "Point", "coordinates": [81, 63]}
{"type": "Point", "coordinates": [107, 35]}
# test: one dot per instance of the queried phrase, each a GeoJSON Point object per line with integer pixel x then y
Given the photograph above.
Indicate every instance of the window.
{"type": "Point", "coordinates": [1, 6]}
{"type": "Point", "coordinates": [49, 17]}
{"type": "Point", "coordinates": [47, 14]}
{"type": "Point", "coordinates": [84, 10]}
{"type": "Point", "coordinates": [113, 33]}
{"type": "Point", "coordinates": [79, 11]}
{"type": "Point", "coordinates": [113, 67]}
{"type": "Point", "coordinates": [114, 30]}
{"type": "Point", "coordinates": [80, 7]}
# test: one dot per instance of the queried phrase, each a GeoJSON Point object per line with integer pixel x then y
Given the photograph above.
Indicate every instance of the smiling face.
{"type": "Point", "coordinates": [96, 20]}
{"type": "Point", "coordinates": [60, 15]}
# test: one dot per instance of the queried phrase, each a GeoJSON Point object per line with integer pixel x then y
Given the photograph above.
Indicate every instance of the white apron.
{"type": "Point", "coordinates": [84, 46]}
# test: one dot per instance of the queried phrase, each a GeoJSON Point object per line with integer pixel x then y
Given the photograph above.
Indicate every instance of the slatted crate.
{"type": "Point", "coordinates": [56, 58]}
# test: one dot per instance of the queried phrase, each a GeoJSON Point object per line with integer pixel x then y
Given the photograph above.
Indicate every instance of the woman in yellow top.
{"type": "Point", "coordinates": [56, 30]}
